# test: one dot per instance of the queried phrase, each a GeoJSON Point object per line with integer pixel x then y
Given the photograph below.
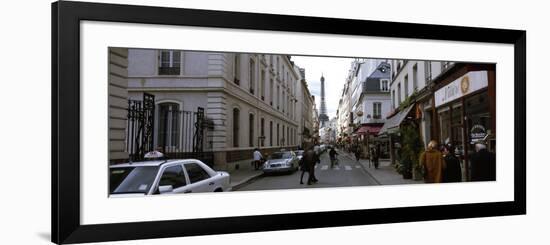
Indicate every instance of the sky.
{"type": "Point", "coordinates": [335, 71]}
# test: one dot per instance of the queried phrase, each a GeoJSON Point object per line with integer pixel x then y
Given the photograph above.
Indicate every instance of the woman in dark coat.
{"type": "Point", "coordinates": [452, 172]}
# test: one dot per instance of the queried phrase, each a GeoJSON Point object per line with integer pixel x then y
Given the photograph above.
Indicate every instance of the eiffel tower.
{"type": "Point", "coordinates": [323, 117]}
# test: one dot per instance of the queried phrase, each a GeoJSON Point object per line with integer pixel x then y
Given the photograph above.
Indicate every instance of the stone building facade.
{"type": "Point", "coordinates": [249, 100]}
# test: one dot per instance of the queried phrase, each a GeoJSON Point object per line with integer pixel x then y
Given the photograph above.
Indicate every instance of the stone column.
{"type": "Point", "coordinates": [118, 103]}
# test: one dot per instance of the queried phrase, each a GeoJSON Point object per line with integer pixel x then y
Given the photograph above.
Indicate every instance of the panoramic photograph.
{"type": "Point", "coordinates": [183, 121]}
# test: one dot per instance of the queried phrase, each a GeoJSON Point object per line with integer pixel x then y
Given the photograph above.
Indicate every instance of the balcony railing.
{"type": "Point", "coordinates": [169, 70]}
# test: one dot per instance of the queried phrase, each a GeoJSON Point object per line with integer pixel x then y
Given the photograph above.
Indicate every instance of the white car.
{"type": "Point", "coordinates": [282, 161]}
{"type": "Point", "coordinates": [165, 177]}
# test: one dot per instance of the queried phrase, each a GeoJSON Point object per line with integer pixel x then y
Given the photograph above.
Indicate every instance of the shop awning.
{"type": "Point", "coordinates": [392, 124]}
{"type": "Point", "coordinates": [369, 129]}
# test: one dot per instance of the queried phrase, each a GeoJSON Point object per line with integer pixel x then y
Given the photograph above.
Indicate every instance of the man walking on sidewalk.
{"type": "Point", "coordinates": [257, 159]}
{"type": "Point", "coordinates": [310, 158]}
{"type": "Point", "coordinates": [376, 156]}
{"type": "Point", "coordinates": [357, 152]}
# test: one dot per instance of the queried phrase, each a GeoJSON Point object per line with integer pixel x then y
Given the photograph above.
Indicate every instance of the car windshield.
{"type": "Point", "coordinates": [131, 179]}
{"type": "Point", "coordinates": [280, 155]}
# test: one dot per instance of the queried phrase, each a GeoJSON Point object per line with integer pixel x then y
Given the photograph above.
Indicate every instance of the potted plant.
{"type": "Point", "coordinates": [407, 167]}
{"type": "Point", "coordinates": [411, 148]}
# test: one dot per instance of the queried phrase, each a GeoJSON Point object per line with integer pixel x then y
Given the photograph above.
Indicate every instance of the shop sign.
{"type": "Point", "coordinates": [462, 86]}
{"type": "Point", "coordinates": [477, 133]}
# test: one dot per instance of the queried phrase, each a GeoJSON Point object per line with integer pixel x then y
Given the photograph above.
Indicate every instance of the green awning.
{"type": "Point", "coordinates": [392, 124]}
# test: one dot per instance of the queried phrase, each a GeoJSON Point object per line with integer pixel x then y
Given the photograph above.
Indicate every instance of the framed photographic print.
{"type": "Point", "coordinates": [174, 122]}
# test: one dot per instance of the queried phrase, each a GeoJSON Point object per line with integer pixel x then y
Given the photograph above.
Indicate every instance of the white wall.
{"type": "Point", "coordinates": [407, 71]}
{"type": "Point", "coordinates": [368, 106]}
{"type": "Point", "coordinates": [27, 214]}
{"type": "Point", "coordinates": [142, 62]}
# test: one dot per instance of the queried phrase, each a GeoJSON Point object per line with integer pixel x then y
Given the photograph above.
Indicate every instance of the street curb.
{"type": "Point", "coordinates": [246, 181]}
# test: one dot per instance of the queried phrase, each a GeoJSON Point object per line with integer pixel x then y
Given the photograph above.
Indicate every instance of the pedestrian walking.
{"type": "Point", "coordinates": [309, 159]}
{"type": "Point", "coordinates": [257, 155]}
{"type": "Point", "coordinates": [375, 156]}
{"type": "Point", "coordinates": [432, 162]}
{"type": "Point", "coordinates": [357, 153]}
{"type": "Point", "coordinates": [333, 160]}
{"type": "Point", "coordinates": [452, 171]}
{"type": "Point", "coordinates": [483, 164]}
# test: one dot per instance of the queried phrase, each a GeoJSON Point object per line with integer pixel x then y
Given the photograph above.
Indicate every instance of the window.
{"type": "Point", "coordinates": [406, 86]}
{"type": "Point", "coordinates": [237, 69]}
{"type": "Point", "coordinates": [284, 102]}
{"type": "Point", "coordinates": [278, 66]}
{"type": "Point", "coordinates": [415, 77]}
{"type": "Point", "coordinates": [251, 130]}
{"type": "Point", "coordinates": [398, 94]}
{"type": "Point", "coordinates": [278, 138]}
{"type": "Point", "coordinates": [262, 84]}
{"type": "Point", "coordinates": [288, 135]}
{"type": "Point", "coordinates": [393, 98]}
{"type": "Point", "coordinates": [270, 133]}
{"type": "Point", "coordinates": [292, 136]}
{"type": "Point", "coordinates": [252, 76]}
{"type": "Point", "coordinates": [271, 89]}
{"type": "Point", "coordinates": [168, 125]}
{"type": "Point", "coordinates": [288, 104]}
{"type": "Point", "coordinates": [132, 179]}
{"type": "Point", "coordinates": [444, 115]}
{"type": "Point", "coordinates": [278, 98]}
{"type": "Point", "coordinates": [376, 110]}
{"type": "Point", "coordinates": [236, 113]}
{"type": "Point", "coordinates": [384, 85]}
{"type": "Point", "coordinates": [287, 80]}
{"type": "Point", "coordinates": [428, 70]}
{"type": "Point", "coordinates": [262, 131]}
{"type": "Point", "coordinates": [173, 176]}
{"type": "Point", "coordinates": [170, 62]}
{"type": "Point", "coordinates": [196, 173]}
{"type": "Point", "coordinates": [283, 138]}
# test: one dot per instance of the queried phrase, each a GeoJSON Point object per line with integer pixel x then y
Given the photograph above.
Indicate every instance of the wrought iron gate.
{"type": "Point", "coordinates": [140, 128]}
{"type": "Point", "coordinates": [176, 133]}
{"type": "Point", "coordinates": [181, 133]}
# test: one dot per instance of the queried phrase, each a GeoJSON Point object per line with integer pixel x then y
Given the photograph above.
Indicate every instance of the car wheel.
{"type": "Point", "coordinates": [218, 190]}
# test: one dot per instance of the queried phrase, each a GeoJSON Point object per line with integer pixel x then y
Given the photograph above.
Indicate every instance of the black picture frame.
{"type": "Point", "coordinates": [66, 18]}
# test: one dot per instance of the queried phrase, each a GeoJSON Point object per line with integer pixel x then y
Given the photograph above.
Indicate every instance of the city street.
{"type": "Point", "coordinates": [347, 173]}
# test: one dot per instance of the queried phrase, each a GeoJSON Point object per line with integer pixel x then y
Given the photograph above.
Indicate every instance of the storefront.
{"type": "Point", "coordinates": [389, 133]}
{"type": "Point", "coordinates": [368, 140]}
{"type": "Point", "coordinates": [464, 114]}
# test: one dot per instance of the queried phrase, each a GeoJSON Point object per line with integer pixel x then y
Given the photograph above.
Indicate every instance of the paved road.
{"type": "Point", "coordinates": [347, 173]}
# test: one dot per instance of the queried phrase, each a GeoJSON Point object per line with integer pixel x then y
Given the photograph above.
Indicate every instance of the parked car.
{"type": "Point", "coordinates": [282, 161]}
{"type": "Point", "coordinates": [165, 177]}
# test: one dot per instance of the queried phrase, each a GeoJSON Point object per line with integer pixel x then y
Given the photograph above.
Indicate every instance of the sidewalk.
{"type": "Point", "coordinates": [244, 174]}
{"type": "Point", "coordinates": [385, 174]}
